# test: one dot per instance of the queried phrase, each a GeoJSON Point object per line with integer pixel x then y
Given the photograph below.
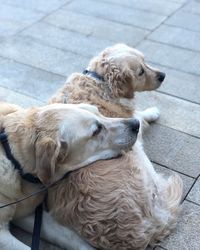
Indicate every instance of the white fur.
{"type": "Point", "coordinates": [54, 233]}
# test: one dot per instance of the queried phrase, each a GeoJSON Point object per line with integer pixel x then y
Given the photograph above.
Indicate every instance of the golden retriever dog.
{"type": "Point", "coordinates": [48, 142]}
{"type": "Point", "coordinates": [122, 203]}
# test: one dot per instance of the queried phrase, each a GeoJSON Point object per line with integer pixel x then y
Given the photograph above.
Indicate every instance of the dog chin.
{"type": "Point", "coordinates": [158, 84]}
{"type": "Point", "coordinates": [106, 155]}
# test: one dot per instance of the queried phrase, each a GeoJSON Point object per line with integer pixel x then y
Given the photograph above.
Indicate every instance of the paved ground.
{"type": "Point", "coordinates": [41, 42]}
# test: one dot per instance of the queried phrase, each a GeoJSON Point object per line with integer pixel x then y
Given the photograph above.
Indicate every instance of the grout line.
{"type": "Point", "coordinates": [178, 97]}
{"type": "Point", "coordinates": [133, 8]}
{"type": "Point", "coordinates": [31, 66]}
{"type": "Point", "coordinates": [169, 67]}
{"type": "Point", "coordinates": [167, 17]}
{"type": "Point", "coordinates": [107, 19]}
{"type": "Point", "coordinates": [102, 18]}
{"type": "Point", "coordinates": [30, 9]}
{"type": "Point", "coordinates": [45, 16]}
{"type": "Point", "coordinates": [40, 42]}
{"type": "Point", "coordinates": [157, 64]}
{"type": "Point", "coordinates": [22, 93]}
{"type": "Point", "coordinates": [183, 132]}
{"type": "Point", "coordinates": [185, 197]}
{"type": "Point", "coordinates": [91, 33]}
{"type": "Point", "coordinates": [66, 28]}
{"type": "Point", "coordinates": [173, 45]}
{"type": "Point", "coordinates": [164, 166]}
{"type": "Point", "coordinates": [193, 202]}
{"type": "Point", "coordinates": [180, 27]}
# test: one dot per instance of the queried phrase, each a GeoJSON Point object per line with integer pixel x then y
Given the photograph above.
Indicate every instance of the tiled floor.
{"type": "Point", "coordinates": [41, 42]}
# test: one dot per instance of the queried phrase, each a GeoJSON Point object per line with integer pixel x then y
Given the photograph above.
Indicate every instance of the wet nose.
{"type": "Point", "coordinates": [161, 76]}
{"type": "Point", "coordinates": [134, 125]}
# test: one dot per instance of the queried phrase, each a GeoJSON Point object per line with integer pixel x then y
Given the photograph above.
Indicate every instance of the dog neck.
{"type": "Point", "coordinates": [20, 140]}
{"type": "Point", "coordinates": [128, 103]}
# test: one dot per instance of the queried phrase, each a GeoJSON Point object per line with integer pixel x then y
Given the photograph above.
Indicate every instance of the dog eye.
{"type": "Point", "coordinates": [141, 72]}
{"type": "Point", "coordinates": [98, 129]}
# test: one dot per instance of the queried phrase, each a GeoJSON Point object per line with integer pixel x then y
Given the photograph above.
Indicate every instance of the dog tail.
{"type": "Point", "coordinates": [173, 193]}
{"type": "Point", "coordinates": [171, 196]}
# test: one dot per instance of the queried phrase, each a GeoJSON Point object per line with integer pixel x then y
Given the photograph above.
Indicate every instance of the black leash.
{"type": "Point", "coordinates": [37, 227]}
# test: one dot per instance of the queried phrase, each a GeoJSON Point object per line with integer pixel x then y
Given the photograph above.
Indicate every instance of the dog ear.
{"type": "Point", "coordinates": [120, 82]}
{"type": "Point", "coordinates": [48, 154]}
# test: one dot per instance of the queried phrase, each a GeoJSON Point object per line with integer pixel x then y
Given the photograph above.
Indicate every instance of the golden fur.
{"type": "Point", "coordinates": [119, 204]}
{"type": "Point", "coordinates": [46, 143]}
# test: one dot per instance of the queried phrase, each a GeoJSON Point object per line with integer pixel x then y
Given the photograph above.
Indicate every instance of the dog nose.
{"type": "Point", "coordinates": [134, 125]}
{"type": "Point", "coordinates": [161, 76]}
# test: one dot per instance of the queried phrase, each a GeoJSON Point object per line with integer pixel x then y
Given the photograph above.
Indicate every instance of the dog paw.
{"type": "Point", "coordinates": [151, 114]}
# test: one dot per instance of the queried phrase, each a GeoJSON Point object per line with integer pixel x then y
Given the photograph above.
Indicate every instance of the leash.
{"type": "Point", "coordinates": [35, 244]}
{"type": "Point", "coordinates": [30, 178]}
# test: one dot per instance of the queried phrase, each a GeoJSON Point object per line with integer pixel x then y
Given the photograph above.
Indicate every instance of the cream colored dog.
{"type": "Point", "coordinates": [48, 142]}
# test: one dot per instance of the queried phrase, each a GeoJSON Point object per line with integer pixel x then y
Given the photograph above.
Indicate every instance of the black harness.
{"type": "Point", "coordinates": [30, 178]}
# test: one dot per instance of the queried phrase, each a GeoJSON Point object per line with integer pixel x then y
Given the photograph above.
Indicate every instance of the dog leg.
{"type": "Point", "coordinates": [54, 233]}
{"type": "Point", "coordinates": [9, 242]}
{"type": "Point", "coordinates": [149, 115]}
{"type": "Point", "coordinates": [145, 117]}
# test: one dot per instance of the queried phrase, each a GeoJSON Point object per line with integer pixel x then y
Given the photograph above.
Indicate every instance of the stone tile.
{"type": "Point", "coordinates": [116, 13]}
{"type": "Point", "coordinates": [192, 6]}
{"type": "Point", "coordinates": [173, 149]}
{"type": "Point", "coordinates": [157, 6]}
{"type": "Point", "coordinates": [28, 51]}
{"type": "Point", "coordinates": [194, 194]}
{"type": "Point", "coordinates": [177, 58]}
{"type": "Point", "coordinates": [185, 20]}
{"type": "Point", "coordinates": [96, 27]}
{"type": "Point", "coordinates": [175, 113]}
{"type": "Point", "coordinates": [14, 19]}
{"type": "Point", "coordinates": [166, 172]}
{"type": "Point", "coordinates": [180, 84]}
{"type": "Point", "coordinates": [186, 235]}
{"type": "Point", "coordinates": [26, 239]}
{"type": "Point", "coordinates": [66, 40]}
{"type": "Point", "coordinates": [8, 95]}
{"type": "Point", "coordinates": [39, 5]}
{"type": "Point", "coordinates": [29, 81]}
{"type": "Point", "coordinates": [177, 36]}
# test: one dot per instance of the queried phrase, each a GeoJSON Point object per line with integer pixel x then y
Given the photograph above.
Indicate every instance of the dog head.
{"type": "Point", "coordinates": [72, 136]}
{"type": "Point", "coordinates": [126, 71]}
